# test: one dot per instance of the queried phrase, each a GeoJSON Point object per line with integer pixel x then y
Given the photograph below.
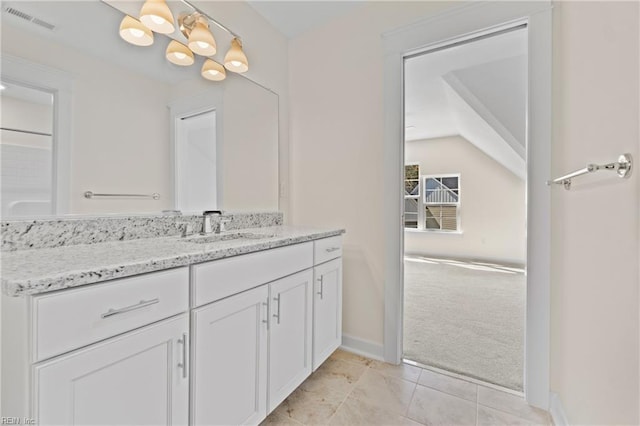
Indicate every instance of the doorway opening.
{"type": "Point", "coordinates": [465, 189]}
{"type": "Point", "coordinates": [27, 151]}
{"type": "Point", "coordinates": [196, 162]}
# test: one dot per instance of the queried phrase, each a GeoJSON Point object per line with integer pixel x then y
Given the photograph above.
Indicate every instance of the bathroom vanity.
{"type": "Point", "coordinates": [215, 329]}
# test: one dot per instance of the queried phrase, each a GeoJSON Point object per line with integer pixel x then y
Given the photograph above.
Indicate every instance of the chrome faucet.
{"type": "Point", "coordinates": [207, 228]}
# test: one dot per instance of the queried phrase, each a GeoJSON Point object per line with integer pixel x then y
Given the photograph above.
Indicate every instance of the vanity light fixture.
{"type": "Point", "coordinates": [235, 60]}
{"type": "Point", "coordinates": [196, 28]}
{"type": "Point", "coordinates": [134, 32]}
{"type": "Point", "coordinates": [211, 70]}
{"type": "Point", "coordinates": [157, 16]}
{"type": "Point", "coordinates": [179, 54]}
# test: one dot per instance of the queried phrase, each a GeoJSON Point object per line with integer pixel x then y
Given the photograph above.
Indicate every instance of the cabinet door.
{"type": "Point", "coordinates": [327, 310]}
{"type": "Point", "coordinates": [139, 378]}
{"type": "Point", "coordinates": [230, 360]}
{"type": "Point", "coordinates": [289, 334]}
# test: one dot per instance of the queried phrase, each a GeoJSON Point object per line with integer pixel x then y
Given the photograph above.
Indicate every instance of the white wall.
{"type": "Point", "coordinates": [336, 163]}
{"type": "Point", "coordinates": [248, 148]}
{"type": "Point", "coordinates": [594, 346]}
{"type": "Point", "coordinates": [268, 53]}
{"type": "Point", "coordinates": [336, 74]}
{"type": "Point", "coordinates": [492, 209]}
{"type": "Point", "coordinates": [24, 115]}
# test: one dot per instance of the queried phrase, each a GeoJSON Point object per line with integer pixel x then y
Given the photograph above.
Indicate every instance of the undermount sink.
{"type": "Point", "coordinates": [214, 238]}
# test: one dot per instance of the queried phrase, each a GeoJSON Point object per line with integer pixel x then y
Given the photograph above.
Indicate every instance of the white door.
{"type": "Point", "coordinates": [135, 379]}
{"type": "Point", "coordinates": [230, 360]}
{"type": "Point", "coordinates": [327, 310]}
{"type": "Point", "coordinates": [289, 334]}
{"type": "Point", "coordinates": [196, 159]}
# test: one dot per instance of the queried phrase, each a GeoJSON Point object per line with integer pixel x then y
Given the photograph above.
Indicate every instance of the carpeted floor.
{"type": "Point", "coordinates": [465, 317]}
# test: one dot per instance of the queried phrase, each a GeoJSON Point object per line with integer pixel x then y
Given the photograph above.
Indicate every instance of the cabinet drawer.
{"type": "Point", "coordinates": [327, 249]}
{"type": "Point", "coordinates": [70, 319]}
{"type": "Point", "coordinates": [221, 278]}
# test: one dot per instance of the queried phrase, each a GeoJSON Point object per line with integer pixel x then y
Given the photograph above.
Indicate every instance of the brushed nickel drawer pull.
{"type": "Point", "coordinates": [142, 304]}
{"type": "Point", "coordinates": [266, 307]}
{"type": "Point", "coordinates": [277, 315]}
{"type": "Point", "coordinates": [321, 292]}
{"type": "Point", "coordinates": [185, 355]}
{"type": "Point", "coordinates": [332, 249]}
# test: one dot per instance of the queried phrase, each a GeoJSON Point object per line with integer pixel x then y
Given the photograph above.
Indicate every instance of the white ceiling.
{"type": "Point", "coordinates": [293, 18]}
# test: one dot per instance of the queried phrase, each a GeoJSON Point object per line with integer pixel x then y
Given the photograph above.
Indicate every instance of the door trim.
{"type": "Point", "coordinates": [456, 24]}
{"type": "Point", "coordinates": [211, 100]}
{"type": "Point", "coordinates": [60, 84]}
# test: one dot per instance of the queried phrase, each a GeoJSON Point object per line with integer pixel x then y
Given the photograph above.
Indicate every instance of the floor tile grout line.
{"type": "Point", "coordinates": [506, 412]}
{"type": "Point", "coordinates": [370, 366]}
{"type": "Point", "coordinates": [355, 384]}
{"type": "Point", "coordinates": [413, 394]}
{"type": "Point", "coordinates": [447, 393]}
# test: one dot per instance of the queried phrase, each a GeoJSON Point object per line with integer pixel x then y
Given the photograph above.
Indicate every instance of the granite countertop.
{"type": "Point", "coordinates": [26, 272]}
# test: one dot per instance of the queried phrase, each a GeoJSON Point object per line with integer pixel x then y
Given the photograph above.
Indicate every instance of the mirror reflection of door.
{"type": "Point", "coordinates": [26, 151]}
{"type": "Point", "coordinates": [196, 157]}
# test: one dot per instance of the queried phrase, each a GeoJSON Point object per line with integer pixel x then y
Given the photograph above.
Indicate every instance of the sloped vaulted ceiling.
{"type": "Point", "coordinates": [476, 90]}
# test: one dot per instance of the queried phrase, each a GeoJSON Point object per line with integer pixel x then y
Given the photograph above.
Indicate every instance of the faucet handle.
{"type": "Point", "coordinates": [208, 212]}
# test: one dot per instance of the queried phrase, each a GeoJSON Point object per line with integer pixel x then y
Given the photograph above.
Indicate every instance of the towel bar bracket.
{"type": "Point", "coordinates": [622, 167]}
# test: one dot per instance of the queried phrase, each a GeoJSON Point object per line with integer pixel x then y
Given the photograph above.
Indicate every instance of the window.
{"type": "Point", "coordinates": [441, 201]}
{"type": "Point", "coordinates": [431, 203]}
{"type": "Point", "coordinates": [411, 195]}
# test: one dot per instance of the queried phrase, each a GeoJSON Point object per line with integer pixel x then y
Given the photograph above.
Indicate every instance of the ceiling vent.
{"type": "Point", "coordinates": [22, 15]}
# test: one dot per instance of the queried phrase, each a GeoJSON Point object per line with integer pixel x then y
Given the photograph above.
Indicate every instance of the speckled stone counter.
{"type": "Point", "coordinates": [65, 231]}
{"type": "Point", "coordinates": [35, 271]}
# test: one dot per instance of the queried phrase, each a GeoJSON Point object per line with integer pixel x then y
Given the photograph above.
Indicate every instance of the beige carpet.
{"type": "Point", "coordinates": [466, 317]}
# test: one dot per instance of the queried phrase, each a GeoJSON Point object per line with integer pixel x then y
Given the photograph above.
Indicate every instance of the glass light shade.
{"type": "Point", "coordinates": [156, 15]}
{"type": "Point", "coordinates": [211, 70]}
{"type": "Point", "coordinates": [179, 54]}
{"type": "Point", "coordinates": [201, 40]}
{"type": "Point", "coordinates": [235, 60]}
{"type": "Point", "coordinates": [132, 31]}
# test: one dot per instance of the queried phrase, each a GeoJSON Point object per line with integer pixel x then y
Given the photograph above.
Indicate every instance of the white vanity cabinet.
{"type": "Point", "coordinates": [229, 363]}
{"type": "Point", "coordinates": [139, 378]}
{"type": "Point", "coordinates": [222, 342]}
{"type": "Point", "coordinates": [290, 338]}
{"type": "Point", "coordinates": [327, 299]}
{"type": "Point", "coordinates": [252, 349]}
{"type": "Point", "coordinates": [113, 353]}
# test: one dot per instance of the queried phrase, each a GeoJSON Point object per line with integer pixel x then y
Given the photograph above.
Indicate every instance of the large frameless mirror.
{"type": "Point", "coordinates": [92, 124]}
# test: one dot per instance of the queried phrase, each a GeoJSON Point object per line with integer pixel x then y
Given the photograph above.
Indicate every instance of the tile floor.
{"type": "Point", "coordinates": [352, 390]}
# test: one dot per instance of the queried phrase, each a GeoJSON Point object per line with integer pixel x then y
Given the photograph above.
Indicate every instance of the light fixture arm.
{"type": "Point", "coordinates": [188, 20]}
{"type": "Point", "coordinates": [198, 10]}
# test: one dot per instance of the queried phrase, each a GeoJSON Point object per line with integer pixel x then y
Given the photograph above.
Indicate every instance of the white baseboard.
{"type": "Point", "coordinates": [557, 412]}
{"type": "Point", "coordinates": [362, 347]}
